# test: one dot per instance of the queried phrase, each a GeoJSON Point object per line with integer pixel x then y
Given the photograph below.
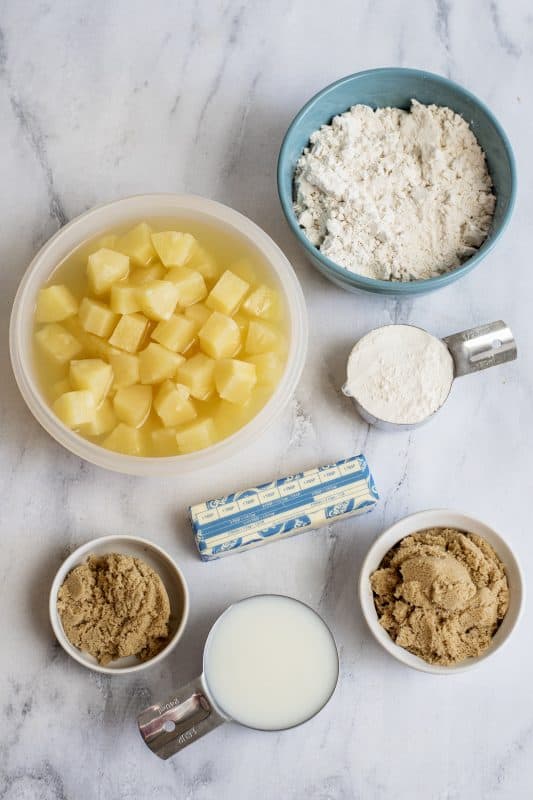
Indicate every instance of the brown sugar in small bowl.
{"type": "Point", "coordinates": [173, 581]}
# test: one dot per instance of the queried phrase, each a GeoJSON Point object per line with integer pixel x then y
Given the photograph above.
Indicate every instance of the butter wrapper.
{"type": "Point", "coordinates": [274, 511]}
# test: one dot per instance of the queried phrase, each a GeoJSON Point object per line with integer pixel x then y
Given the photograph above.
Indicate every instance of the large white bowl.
{"type": "Point", "coordinates": [123, 212]}
{"type": "Point", "coordinates": [173, 581]}
{"type": "Point", "coordinates": [440, 518]}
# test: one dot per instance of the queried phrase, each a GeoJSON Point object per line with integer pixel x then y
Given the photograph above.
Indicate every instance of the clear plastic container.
{"type": "Point", "coordinates": [122, 212]}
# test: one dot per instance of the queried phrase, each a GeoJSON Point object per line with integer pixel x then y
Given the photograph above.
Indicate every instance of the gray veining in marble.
{"type": "Point", "coordinates": [100, 100]}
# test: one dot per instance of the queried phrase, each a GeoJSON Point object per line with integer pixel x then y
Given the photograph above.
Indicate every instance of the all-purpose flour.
{"type": "Point", "coordinates": [400, 373]}
{"type": "Point", "coordinates": [393, 194]}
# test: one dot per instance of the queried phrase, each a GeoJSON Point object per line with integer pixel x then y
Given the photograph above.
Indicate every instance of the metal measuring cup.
{"type": "Point", "coordinates": [192, 711]}
{"type": "Point", "coordinates": [472, 350]}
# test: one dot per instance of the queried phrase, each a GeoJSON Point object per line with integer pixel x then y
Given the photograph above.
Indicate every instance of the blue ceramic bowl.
{"type": "Point", "coordinates": [392, 86]}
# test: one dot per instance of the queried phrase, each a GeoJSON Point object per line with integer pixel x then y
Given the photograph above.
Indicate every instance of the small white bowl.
{"type": "Point", "coordinates": [128, 211]}
{"type": "Point", "coordinates": [440, 518]}
{"type": "Point", "coordinates": [168, 571]}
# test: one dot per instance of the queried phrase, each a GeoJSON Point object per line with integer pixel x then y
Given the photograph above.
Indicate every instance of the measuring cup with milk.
{"type": "Point", "coordinates": [270, 663]}
{"type": "Point", "coordinates": [400, 375]}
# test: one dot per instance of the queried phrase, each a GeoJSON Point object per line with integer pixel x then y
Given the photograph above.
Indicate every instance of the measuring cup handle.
{"type": "Point", "coordinates": [188, 714]}
{"type": "Point", "coordinates": [482, 347]}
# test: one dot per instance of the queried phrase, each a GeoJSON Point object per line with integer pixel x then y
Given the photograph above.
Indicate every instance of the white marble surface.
{"type": "Point", "coordinates": [101, 100]}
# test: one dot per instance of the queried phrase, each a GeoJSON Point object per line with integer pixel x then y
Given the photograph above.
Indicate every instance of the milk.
{"type": "Point", "coordinates": [270, 662]}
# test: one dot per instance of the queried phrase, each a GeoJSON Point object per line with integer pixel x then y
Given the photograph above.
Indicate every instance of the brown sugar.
{"type": "Point", "coordinates": [441, 594]}
{"type": "Point", "coordinates": [114, 606]}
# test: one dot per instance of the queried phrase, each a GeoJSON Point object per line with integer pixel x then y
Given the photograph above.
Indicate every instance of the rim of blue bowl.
{"type": "Point", "coordinates": [376, 284]}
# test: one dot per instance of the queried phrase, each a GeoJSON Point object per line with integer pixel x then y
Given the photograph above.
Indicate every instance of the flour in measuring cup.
{"type": "Point", "coordinates": [393, 194]}
{"type": "Point", "coordinates": [400, 373]}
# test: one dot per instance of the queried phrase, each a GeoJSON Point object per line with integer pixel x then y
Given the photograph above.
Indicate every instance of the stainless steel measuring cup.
{"type": "Point", "coordinates": [192, 711]}
{"type": "Point", "coordinates": [472, 350]}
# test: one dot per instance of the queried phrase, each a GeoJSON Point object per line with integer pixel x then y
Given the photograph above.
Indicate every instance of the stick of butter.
{"type": "Point", "coordinates": [282, 508]}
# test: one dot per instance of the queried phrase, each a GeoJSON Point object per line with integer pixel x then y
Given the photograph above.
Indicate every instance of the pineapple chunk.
{"type": "Point", "coordinates": [260, 338]}
{"type": "Point", "coordinates": [197, 373]}
{"type": "Point", "coordinates": [173, 406]}
{"type": "Point", "coordinates": [196, 436]}
{"type": "Point", "coordinates": [74, 326]}
{"type": "Point", "coordinates": [235, 380]}
{"type": "Point", "coordinates": [242, 321]}
{"type": "Point", "coordinates": [132, 404]}
{"type": "Point", "coordinates": [97, 347]}
{"type": "Point", "coordinates": [92, 374]}
{"type": "Point", "coordinates": [57, 343]}
{"type": "Point", "coordinates": [137, 244]}
{"type": "Point", "coordinates": [94, 346]}
{"type": "Point", "coordinates": [191, 285]}
{"type": "Point", "coordinates": [158, 299]}
{"type": "Point", "coordinates": [157, 364]}
{"type": "Point", "coordinates": [147, 274]}
{"type": "Point", "coordinates": [61, 387]}
{"type": "Point", "coordinates": [103, 421]}
{"type": "Point", "coordinates": [193, 349]}
{"type": "Point", "coordinates": [75, 408]}
{"type": "Point", "coordinates": [267, 367]}
{"type": "Point", "coordinates": [204, 263]}
{"type": "Point", "coordinates": [263, 303]}
{"type": "Point", "coordinates": [54, 304]}
{"type": "Point", "coordinates": [227, 294]}
{"type": "Point", "coordinates": [125, 369]}
{"type": "Point", "coordinates": [220, 337]}
{"type": "Point", "coordinates": [124, 299]}
{"type": "Point", "coordinates": [130, 332]}
{"type": "Point", "coordinates": [124, 439]}
{"type": "Point", "coordinates": [173, 248]}
{"type": "Point", "coordinates": [176, 333]}
{"type": "Point", "coordinates": [106, 267]}
{"type": "Point", "coordinates": [198, 312]}
{"type": "Point", "coordinates": [97, 318]}
{"type": "Point", "coordinates": [164, 441]}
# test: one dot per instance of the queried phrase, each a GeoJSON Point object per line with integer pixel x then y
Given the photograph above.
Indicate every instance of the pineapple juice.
{"type": "Point", "coordinates": [174, 406]}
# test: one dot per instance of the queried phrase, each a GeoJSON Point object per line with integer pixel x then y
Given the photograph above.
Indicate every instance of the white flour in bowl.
{"type": "Point", "coordinates": [396, 195]}
{"type": "Point", "coordinates": [400, 373]}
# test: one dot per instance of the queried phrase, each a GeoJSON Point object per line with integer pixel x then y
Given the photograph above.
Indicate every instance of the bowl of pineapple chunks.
{"type": "Point", "coordinates": [158, 334]}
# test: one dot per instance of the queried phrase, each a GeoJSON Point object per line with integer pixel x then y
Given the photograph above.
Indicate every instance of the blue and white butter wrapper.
{"type": "Point", "coordinates": [283, 508]}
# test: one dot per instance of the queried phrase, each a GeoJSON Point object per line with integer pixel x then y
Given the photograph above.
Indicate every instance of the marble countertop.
{"type": "Point", "coordinates": [101, 100]}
